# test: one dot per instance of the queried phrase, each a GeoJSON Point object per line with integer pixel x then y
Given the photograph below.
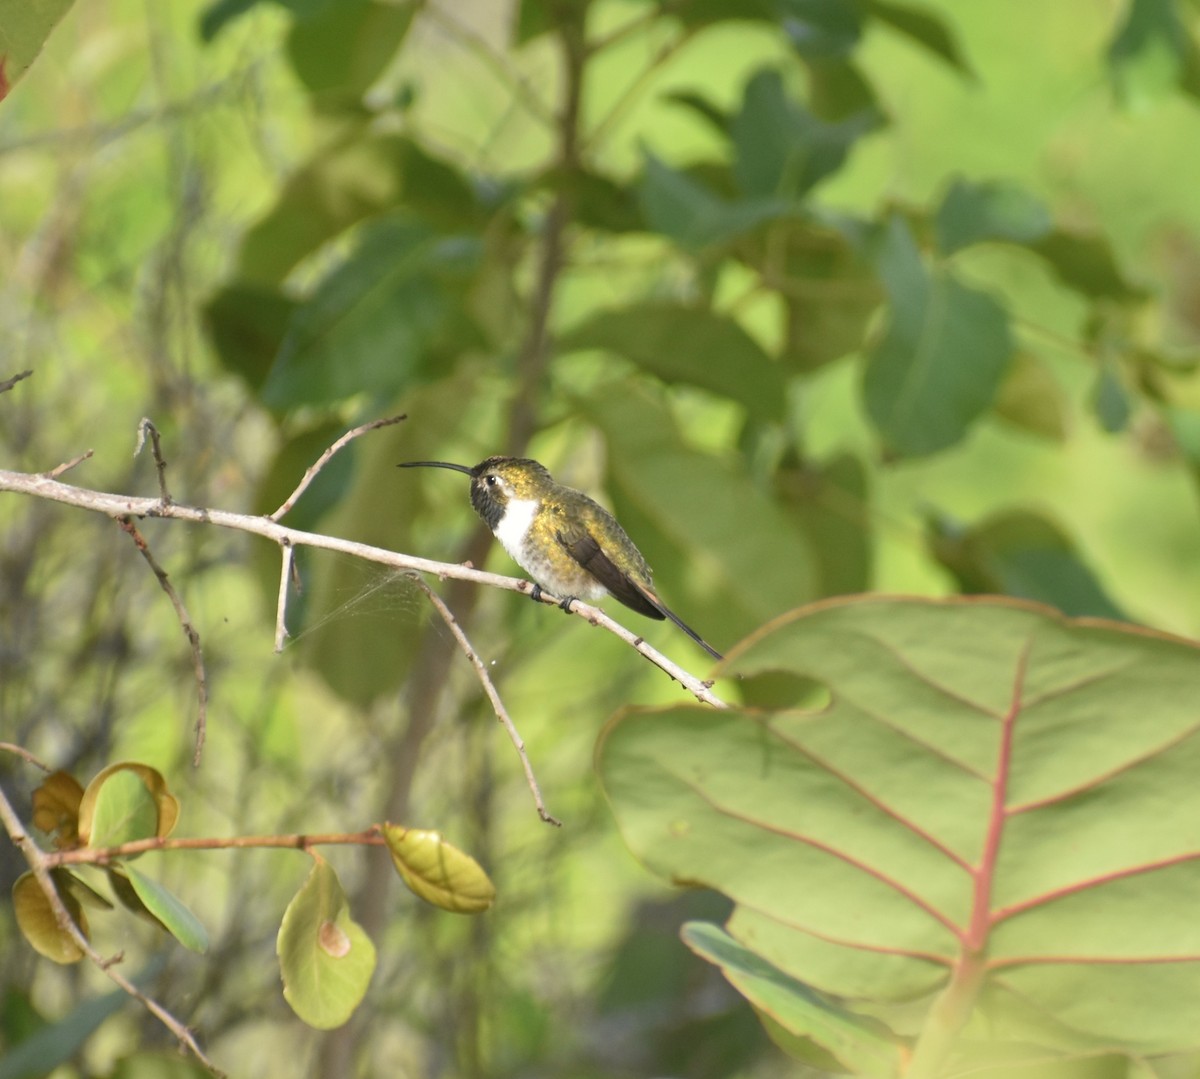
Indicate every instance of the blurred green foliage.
{"type": "Point", "coordinates": [821, 297]}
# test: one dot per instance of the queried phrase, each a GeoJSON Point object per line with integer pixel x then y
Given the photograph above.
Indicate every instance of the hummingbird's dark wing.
{"type": "Point", "coordinates": [586, 551]}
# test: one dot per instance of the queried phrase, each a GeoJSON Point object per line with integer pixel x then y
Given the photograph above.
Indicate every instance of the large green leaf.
{"type": "Point", "coordinates": [783, 150]}
{"type": "Point", "coordinates": [166, 909]}
{"type": "Point", "coordinates": [24, 27]}
{"type": "Point", "coordinates": [325, 957]}
{"type": "Point", "coordinates": [994, 815]}
{"type": "Point", "coordinates": [994, 210]}
{"type": "Point", "coordinates": [942, 358]}
{"type": "Point", "coordinates": [680, 343]}
{"type": "Point", "coordinates": [375, 319]}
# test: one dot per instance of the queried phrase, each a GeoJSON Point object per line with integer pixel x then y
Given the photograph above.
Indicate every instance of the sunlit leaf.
{"type": "Point", "coordinates": [987, 781]}
{"type": "Point", "coordinates": [439, 872]}
{"type": "Point", "coordinates": [1023, 554]}
{"type": "Point", "coordinates": [162, 907]}
{"type": "Point", "coordinates": [325, 957]}
{"type": "Point", "coordinates": [56, 808]}
{"type": "Point", "coordinates": [1031, 398]}
{"type": "Point", "coordinates": [971, 213]}
{"type": "Point", "coordinates": [940, 361]}
{"type": "Point", "coordinates": [126, 801]}
{"type": "Point", "coordinates": [24, 27]}
{"type": "Point", "coordinates": [857, 1044]}
{"type": "Point", "coordinates": [680, 343]}
{"type": "Point", "coordinates": [36, 921]}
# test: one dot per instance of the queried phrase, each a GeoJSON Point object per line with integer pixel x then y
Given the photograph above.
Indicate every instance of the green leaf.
{"type": "Point", "coordinates": [941, 360]}
{"type": "Point", "coordinates": [1110, 400]}
{"type": "Point", "coordinates": [1087, 265]}
{"type": "Point", "coordinates": [858, 1044]}
{"type": "Point", "coordinates": [438, 871]}
{"type": "Point", "coordinates": [820, 28]}
{"type": "Point", "coordinates": [974, 213]}
{"type": "Point", "coordinates": [923, 27]}
{"type": "Point", "coordinates": [125, 802]}
{"type": "Point", "coordinates": [683, 207]}
{"type": "Point", "coordinates": [682, 344]}
{"type": "Point", "coordinates": [1031, 398]}
{"type": "Point", "coordinates": [782, 150]}
{"type": "Point", "coordinates": [56, 1043]}
{"type": "Point", "coordinates": [24, 27]}
{"type": "Point", "coordinates": [1023, 554]}
{"type": "Point", "coordinates": [373, 321]}
{"type": "Point", "coordinates": [325, 957]}
{"type": "Point", "coordinates": [36, 921]}
{"type": "Point", "coordinates": [166, 909]}
{"type": "Point", "coordinates": [986, 782]}
{"type": "Point", "coordinates": [247, 323]}
{"type": "Point", "coordinates": [341, 50]}
{"type": "Point", "coordinates": [1153, 54]}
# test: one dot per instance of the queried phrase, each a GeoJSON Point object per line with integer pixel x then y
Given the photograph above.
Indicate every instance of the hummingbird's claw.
{"type": "Point", "coordinates": [535, 593]}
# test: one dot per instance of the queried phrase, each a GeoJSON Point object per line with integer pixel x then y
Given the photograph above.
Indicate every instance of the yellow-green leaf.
{"type": "Point", "coordinates": [146, 897]}
{"type": "Point", "coordinates": [56, 809]}
{"type": "Point", "coordinates": [325, 957]}
{"type": "Point", "coordinates": [438, 872]}
{"type": "Point", "coordinates": [125, 802]}
{"type": "Point", "coordinates": [37, 923]}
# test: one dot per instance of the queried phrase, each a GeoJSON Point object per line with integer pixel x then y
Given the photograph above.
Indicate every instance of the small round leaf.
{"type": "Point", "coordinates": [37, 923]}
{"type": "Point", "coordinates": [126, 802]}
{"type": "Point", "coordinates": [439, 873]}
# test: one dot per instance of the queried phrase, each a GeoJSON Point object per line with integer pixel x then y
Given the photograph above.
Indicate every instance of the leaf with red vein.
{"type": "Point", "coordinates": [996, 799]}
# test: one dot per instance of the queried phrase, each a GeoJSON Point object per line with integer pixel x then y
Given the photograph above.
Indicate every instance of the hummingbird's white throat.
{"type": "Point", "coordinates": [513, 527]}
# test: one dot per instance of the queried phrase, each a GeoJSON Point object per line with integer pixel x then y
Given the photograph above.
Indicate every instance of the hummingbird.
{"type": "Point", "coordinates": [569, 544]}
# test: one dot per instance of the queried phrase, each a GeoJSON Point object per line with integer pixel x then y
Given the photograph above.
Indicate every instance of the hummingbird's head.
{"type": "Point", "coordinates": [498, 481]}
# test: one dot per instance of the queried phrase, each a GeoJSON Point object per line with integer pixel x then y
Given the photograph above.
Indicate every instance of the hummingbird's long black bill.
{"type": "Point", "coordinates": [435, 464]}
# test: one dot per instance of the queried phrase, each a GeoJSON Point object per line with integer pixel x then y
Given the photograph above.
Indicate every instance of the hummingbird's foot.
{"type": "Point", "coordinates": [535, 593]}
{"type": "Point", "coordinates": [566, 604]}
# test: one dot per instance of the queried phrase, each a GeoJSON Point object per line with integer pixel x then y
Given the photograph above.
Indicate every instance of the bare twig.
{"type": "Point", "coordinates": [489, 687]}
{"type": "Point", "coordinates": [25, 755]}
{"type": "Point", "coordinates": [320, 462]}
{"type": "Point", "coordinates": [66, 466]}
{"type": "Point", "coordinates": [118, 506]}
{"type": "Point", "coordinates": [40, 867]}
{"type": "Point", "coordinates": [287, 571]}
{"type": "Point", "coordinates": [8, 383]}
{"type": "Point", "coordinates": [371, 837]}
{"type": "Point", "coordinates": [160, 463]}
{"type": "Point", "coordinates": [185, 621]}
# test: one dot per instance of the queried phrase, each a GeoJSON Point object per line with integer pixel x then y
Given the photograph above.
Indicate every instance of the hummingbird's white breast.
{"type": "Point", "coordinates": [513, 527]}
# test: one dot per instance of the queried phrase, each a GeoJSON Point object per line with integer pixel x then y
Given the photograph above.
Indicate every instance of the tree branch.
{"type": "Point", "coordinates": [120, 506]}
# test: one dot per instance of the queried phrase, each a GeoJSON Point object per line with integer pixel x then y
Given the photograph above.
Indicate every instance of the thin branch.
{"type": "Point", "coordinates": [160, 463]}
{"type": "Point", "coordinates": [287, 571]}
{"type": "Point", "coordinates": [118, 506]}
{"type": "Point", "coordinates": [489, 687]}
{"type": "Point", "coordinates": [9, 383]}
{"type": "Point", "coordinates": [26, 756]}
{"type": "Point", "coordinates": [321, 461]}
{"type": "Point", "coordinates": [38, 863]}
{"type": "Point", "coordinates": [66, 466]}
{"type": "Point", "coordinates": [185, 621]}
{"type": "Point", "coordinates": [371, 837]}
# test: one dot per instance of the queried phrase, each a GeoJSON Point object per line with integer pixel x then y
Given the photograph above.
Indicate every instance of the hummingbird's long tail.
{"type": "Point", "coordinates": [668, 613]}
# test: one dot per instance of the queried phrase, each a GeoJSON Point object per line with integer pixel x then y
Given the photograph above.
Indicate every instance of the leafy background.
{"type": "Point", "coordinates": [821, 297]}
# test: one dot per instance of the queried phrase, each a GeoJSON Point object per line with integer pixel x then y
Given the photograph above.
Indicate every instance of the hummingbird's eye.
{"type": "Point", "coordinates": [491, 479]}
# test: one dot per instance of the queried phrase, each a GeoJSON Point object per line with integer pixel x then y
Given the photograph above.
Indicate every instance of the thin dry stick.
{"type": "Point", "coordinates": [25, 755]}
{"type": "Point", "coordinates": [320, 462]}
{"type": "Point", "coordinates": [66, 466]}
{"type": "Point", "coordinates": [36, 858]}
{"type": "Point", "coordinates": [490, 689]}
{"type": "Point", "coordinates": [371, 837]}
{"type": "Point", "coordinates": [160, 463]}
{"type": "Point", "coordinates": [286, 571]}
{"type": "Point", "coordinates": [189, 630]}
{"type": "Point", "coordinates": [9, 383]}
{"type": "Point", "coordinates": [118, 506]}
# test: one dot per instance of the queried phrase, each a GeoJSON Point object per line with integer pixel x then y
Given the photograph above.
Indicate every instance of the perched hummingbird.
{"type": "Point", "coordinates": [569, 544]}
